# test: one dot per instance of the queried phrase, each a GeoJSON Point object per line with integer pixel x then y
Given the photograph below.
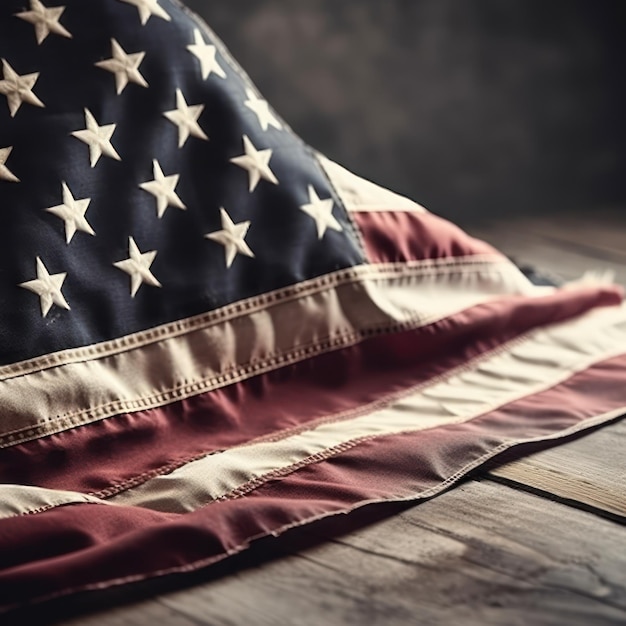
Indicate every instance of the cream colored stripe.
{"type": "Point", "coordinates": [20, 500]}
{"type": "Point", "coordinates": [539, 361]}
{"type": "Point", "coordinates": [360, 195]}
{"type": "Point", "coordinates": [286, 331]}
{"type": "Point", "coordinates": [527, 367]}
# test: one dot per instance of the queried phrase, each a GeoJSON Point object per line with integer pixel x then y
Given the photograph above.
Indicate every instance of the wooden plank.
{"type": "Point", "coordinates": [589, 472]}
{"type": "Point", "coordinates": [603, 234]}
{"type": "Point", "coordinates": [146, 613]}
{"type": "Point", "coordinates": [480, 554]}
{"type": "Point", "coordinates": [546, 253]}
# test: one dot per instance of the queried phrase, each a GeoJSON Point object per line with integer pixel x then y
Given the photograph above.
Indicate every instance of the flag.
{"type": "Point", "coordinates": [211, 333]}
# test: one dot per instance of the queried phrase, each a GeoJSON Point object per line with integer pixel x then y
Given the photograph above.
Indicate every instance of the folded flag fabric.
{"type": "Point", "coordinates": [210, 333]}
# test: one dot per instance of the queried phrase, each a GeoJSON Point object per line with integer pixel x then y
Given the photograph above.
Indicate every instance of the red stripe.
{"type": "Point", "coordinates": [405, 236]}
{"type": "Point", "coordinates": [138, 445]}
{"type": "Point", "coordinates": [84, 546]}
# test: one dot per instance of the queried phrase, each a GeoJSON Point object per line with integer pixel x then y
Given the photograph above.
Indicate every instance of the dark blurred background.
{"type": "Point", "coordinates": [473, 108]}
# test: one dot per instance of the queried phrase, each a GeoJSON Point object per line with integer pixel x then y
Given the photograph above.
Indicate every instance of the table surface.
{"type": "Point", "coordinates": [541, 540]}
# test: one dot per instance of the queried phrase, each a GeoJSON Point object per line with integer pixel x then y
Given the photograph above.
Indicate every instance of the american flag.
{"type": "Point", "coordinates": [210, 333]}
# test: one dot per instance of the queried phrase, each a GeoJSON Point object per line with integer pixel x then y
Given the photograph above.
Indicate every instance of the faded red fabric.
{"type": "Point", "coordinates": [401, 236]}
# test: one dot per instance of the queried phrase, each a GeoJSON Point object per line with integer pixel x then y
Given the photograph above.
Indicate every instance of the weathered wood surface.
{"type": "Point", "coordinates": [480, 554]}
{"type": "Point", "coordinates": [566, 246]}
{"type": "Point", "coordinates": [589, 472]}
{"type": "Point", "coordinates": [603, 235]}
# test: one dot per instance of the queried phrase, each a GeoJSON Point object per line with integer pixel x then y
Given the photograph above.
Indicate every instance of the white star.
{"type": "Point", "coordinates": [147, 8]}
{"type": "Point", "coordinates": [186, 118]}
{"type": "Point", "coordinates": [98, 138]}
{"type": "Point", "coordinates": [124, 66]}
{"type": "Point", "coordinates": [72, 212]}
{"type": "Point", "coordinates": [261, 109]}
{"type": "Point", "coordinates": [206, 55]}
{"type": "Point", "coordinates": [257, 164]}
{"type": "Point", "coordinates": [45, 20]}
{"type": "Point", "coordinates": [162, 188]}
{"type": "Point", "coordinates": [322, 212]}
{"type": "Point", "coordinates": [5, 172]}
{"type": "Point", "coordinates": [48, 288]}
{"type": "Point", "coordinates": [18, 89]}
{"type": "Point", "coordinates": [137, 266]}
{"type": "Point", "coordinates": [232, 238]}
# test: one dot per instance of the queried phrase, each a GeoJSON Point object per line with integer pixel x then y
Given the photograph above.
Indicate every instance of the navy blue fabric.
{"type": "Point", "coordinates": [191, 269]}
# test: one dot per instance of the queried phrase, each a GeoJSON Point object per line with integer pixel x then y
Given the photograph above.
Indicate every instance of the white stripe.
{"type": "Point", "coordinates": [20, 500]}
{"type": "Point", "coordinates": [359, 195]}
{"type": "Point", "coordinates": [540, 361]}
{"type": "Point", "coordinates": [284, 331]}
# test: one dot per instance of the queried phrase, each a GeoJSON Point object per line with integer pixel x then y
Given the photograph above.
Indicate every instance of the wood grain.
{"type": "Point", "coordinates": [601, 235]}
{"type": "Point", "coordinates": [567, 251]}
{"type": "Point", "coordinates": [589, 472]}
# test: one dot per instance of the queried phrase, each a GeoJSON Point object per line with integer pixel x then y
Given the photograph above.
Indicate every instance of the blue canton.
{"type": "Point", "coordinates": [143, 183]}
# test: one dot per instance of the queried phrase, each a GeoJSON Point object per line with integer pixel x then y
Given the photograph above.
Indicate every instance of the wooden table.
{"type": "Point", "coordinates": [536, 541]}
